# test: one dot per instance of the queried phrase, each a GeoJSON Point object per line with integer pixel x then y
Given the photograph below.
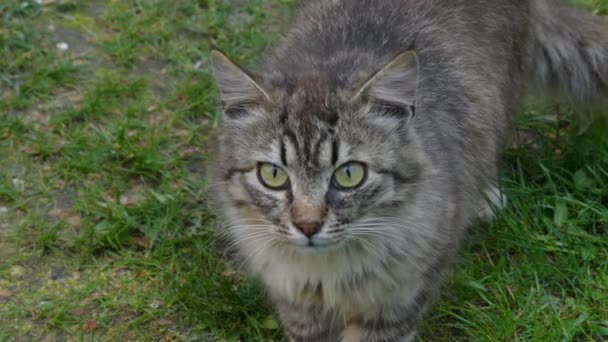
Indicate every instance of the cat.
{"type": "Point", "coordinates": [352, 161]}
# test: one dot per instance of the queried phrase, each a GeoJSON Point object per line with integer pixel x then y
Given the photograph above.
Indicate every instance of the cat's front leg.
{"type": "Point", "coordinates": [395, 325]}
{"type": "Point", "coordinates": [304, 322]}
{"type": "Point", "coordinates": [355, 333]}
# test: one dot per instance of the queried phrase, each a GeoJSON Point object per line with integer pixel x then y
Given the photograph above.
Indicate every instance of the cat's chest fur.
{"type": "Point", "coordinates": [346, 283]}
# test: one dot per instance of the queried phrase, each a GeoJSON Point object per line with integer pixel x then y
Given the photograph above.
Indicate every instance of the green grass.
{"type": "Point", "coordinates": [105, 232]}
{"type": "Point", "coordinates": [540, 272]}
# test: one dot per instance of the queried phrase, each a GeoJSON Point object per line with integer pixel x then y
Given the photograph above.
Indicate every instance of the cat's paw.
{"type": "Point", "coordinates": [353, 333]}
{"type": "Point", "coordinates": [492, 200]}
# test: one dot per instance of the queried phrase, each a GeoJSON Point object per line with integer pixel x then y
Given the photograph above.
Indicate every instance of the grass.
{"type": "Point", "coordinates": [104, 228]}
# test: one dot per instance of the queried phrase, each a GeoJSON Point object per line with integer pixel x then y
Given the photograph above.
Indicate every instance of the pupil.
{"type": "Point", "coordinates": [274, 172]}
{"type": "Point", "coordinates": [348, 172]}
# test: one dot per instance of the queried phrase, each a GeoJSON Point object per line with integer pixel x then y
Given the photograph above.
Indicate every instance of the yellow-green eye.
{"type": "Point", "coordinates": [273, 176]}
{"type": "Point", "coordinates": [349, 175]}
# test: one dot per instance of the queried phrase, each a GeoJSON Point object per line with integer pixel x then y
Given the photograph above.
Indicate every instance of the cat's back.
{"type": "Point", "coordinates": [337, 36]}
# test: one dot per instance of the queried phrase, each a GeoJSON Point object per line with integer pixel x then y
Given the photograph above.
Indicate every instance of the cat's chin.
{"type": "Point", "coordinates": [316, 247]}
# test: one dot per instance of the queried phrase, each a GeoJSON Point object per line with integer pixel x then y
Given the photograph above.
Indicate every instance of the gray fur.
{"type": "Point", "coordinates": [329, 93]}
{"type": "Point", "coordinates": [569, 50]}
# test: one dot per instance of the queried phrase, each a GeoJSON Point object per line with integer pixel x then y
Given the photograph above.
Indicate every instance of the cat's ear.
{"type": "Point", "coordinates": [395, 83]}
{"type": "Point", "coordinates": [237, 87]}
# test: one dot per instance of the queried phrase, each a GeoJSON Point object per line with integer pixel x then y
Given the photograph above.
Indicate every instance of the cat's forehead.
{"type": "Point", "coordinates": [309, 98]}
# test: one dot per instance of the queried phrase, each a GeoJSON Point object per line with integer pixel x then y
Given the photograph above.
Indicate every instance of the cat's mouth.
{"type": "Point", "coordinates": [316, 245]}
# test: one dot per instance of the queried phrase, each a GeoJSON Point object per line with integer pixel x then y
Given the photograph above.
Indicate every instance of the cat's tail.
{"type": "Point", "coordinates": [569, 51]}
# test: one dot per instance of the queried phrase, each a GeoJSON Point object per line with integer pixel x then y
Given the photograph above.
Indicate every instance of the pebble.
{"type": "Point", "coordinates": [17, 271]}
{"type": "Point", "coordinates": [155, 304]}
{"type": "Point", "coordinates": [19, 184]}
{"type": "Point", "coordinates": [63, 46]}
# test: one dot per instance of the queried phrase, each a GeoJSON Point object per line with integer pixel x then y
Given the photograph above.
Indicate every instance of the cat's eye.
{"type": "Point", "coordinates": [272, 176]}
{"type": "Point", "coordinates": [349, 176]}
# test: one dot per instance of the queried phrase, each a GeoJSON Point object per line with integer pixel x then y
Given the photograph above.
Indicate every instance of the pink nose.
{"type": "Point", "coordinates": [309, 228]}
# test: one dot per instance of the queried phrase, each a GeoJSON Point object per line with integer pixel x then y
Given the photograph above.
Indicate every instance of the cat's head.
{"type": "Point", "coordinates": [310, 163]}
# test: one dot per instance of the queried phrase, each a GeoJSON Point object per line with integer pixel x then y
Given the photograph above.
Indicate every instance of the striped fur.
{"type": "Point", "coordinates": [421, 93]}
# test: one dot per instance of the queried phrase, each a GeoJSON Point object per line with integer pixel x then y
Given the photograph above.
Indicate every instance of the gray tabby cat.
{"type": "Point", "coordinates": [352, 162]}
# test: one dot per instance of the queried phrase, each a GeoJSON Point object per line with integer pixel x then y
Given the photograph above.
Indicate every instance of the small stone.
{"type": "Point", "coordinates": [133, 197]}
{"type": "Point", "coordinates": [62, 46]}
{"type": "Point", "coordinates": [19, 184]}
{"type": "Point", "coordinates": [3, 210]}
{"type": "Point", "coordinates": [155, 304]}
{"type": "Point", "coordinates": [17, 271]}
{"type": "Point", "coordinates": [59, 273]}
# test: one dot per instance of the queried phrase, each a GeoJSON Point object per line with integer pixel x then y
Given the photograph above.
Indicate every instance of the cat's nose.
{"type": "Point", "coordinates": [309, 228]}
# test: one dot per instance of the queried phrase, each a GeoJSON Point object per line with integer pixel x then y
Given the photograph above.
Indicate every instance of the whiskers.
{"type": "Point", "coordinates": [249, 237]}
{"type": "Point", "coordinates": [211, 186]}
{"type": "Point", "coordinates": [381, 236]}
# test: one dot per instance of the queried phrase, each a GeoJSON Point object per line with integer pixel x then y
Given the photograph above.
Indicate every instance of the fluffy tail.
{"type": "Point", "coordinates": [569, 51]}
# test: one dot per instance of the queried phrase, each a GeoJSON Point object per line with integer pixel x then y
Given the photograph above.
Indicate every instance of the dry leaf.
{"type": "Point", "coordinates": [141, 242]}
{"type": "Point", "coordinates": [163, 322]}
{"type": "Point", "coordinates": [5, 293]}
{"type": "Point", "coordinates": [57, 212]}
{"type": "Point", "coordinates": [36, 116]}
{"type": "Point", "coordinates": [232, 275]}
{"type": "Point", "coordinates": [74, 220]}
{"type": "Point", "coordinates": [89, 326]}
{"type": "Point", "coordinates": [49, 338]}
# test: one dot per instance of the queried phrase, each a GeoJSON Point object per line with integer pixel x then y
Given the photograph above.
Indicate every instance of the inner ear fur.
{"type": "Point", "coordinates": [395, 83]}
{"type": "Point", "coordinates": [237, 86]}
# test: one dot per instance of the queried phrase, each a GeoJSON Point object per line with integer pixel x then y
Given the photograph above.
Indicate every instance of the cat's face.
{"type": "Point", "coordinates": [307, 166]}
